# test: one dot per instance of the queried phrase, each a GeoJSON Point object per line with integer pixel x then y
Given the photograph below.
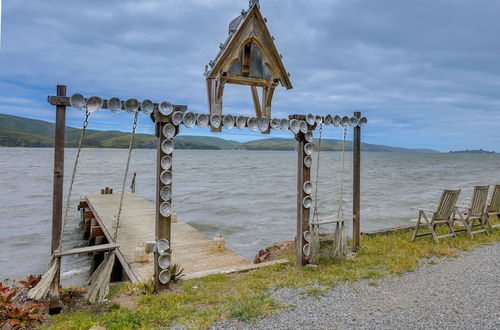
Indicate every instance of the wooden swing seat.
{"type": "Point", "coordinates": [87, 249]}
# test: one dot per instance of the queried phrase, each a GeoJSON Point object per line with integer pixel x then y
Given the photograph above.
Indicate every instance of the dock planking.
{"type": "Point", "coordinates": [191, 249]}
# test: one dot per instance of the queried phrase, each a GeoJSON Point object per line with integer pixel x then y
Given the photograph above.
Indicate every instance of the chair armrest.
{"type": "Point", "coordinates": [421, 209]}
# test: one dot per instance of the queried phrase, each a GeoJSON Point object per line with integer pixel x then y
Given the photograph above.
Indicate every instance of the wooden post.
{"type": "Point", "coordinates": [303, 175]}
{"type": "Point", "coordinates": [132, 186]}
{"type": "Point", "coordinates": [57, 199]}
{"type": "Point", "coordinates": [356, 186]}
{"type": "Point", "coordinates": [162, 223]}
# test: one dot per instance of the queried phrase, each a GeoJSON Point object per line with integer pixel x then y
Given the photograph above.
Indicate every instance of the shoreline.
{"type": "Point", "coordinates": [249, 296]}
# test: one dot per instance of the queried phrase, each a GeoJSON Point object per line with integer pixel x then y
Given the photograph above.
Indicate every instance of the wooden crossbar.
{"type": "Point", "coordinates": [64, 100]}
{"type": "Point", "coordinates": [87, 249]}
{"type": "Point", "coordinates": [326, 222]}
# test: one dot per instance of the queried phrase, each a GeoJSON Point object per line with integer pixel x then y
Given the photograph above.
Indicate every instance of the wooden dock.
{"type": "Point", "coordinates": [191, 249]}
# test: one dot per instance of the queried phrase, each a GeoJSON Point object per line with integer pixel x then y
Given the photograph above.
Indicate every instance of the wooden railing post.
{"type": "Point", "coordinates": [356, 187]}
{"type": "Point", "coordinates": [57, 199]}
{"type": "Point", "coordinates": [132, 186]}
{"type": "Point", "coordinates": [163, 224]}
{"type": "Point", "coordinates": [303, 175]}
{"type": "Point", "coordinates": [303, 213]}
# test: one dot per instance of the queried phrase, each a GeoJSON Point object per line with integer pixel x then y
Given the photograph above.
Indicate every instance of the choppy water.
{"type": "Point", "coordinates": [250, 196]}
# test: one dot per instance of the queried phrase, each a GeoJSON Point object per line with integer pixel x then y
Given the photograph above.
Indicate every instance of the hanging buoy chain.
{"type": "Point", "coordinates": [316, 198]}
{"type": "Point", "coordinates": [134, 127]}
{"type": "Point", "coordinates": [340, 212]}
{"type": "Point", "coordinates": [75, 166]}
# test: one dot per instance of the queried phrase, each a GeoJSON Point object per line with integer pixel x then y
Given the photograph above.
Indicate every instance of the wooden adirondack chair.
{"type": "Point", "coordinates": [444, 214]}
{"type": "Point", "coordinates": [474, 212]}
{"type": "Point", "coordinates": [494, 207]}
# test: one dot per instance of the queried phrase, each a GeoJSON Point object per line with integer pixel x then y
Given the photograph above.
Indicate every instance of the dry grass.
{"type": "Point", "coordinates": [202, 302]}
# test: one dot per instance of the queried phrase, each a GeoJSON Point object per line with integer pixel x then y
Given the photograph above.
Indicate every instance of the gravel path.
{"type": "Point", "coordinates": [458, 293]}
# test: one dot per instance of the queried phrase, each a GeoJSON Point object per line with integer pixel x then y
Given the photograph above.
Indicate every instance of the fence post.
{"type": "Point", "coordinates": [57, 198]}
{"type": "Point", "coordinates": [356, 186]}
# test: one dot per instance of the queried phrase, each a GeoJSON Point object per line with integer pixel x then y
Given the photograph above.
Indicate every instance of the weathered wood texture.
{"type": "Point", "coordinates": [248, 57]}
{"type": "Point", "coordinates": [356, 187]}
{"type": "Point", "coordinates": [163, 225]}
{"type": "Point", "coordinates": [303, 175]}
{"type": "Point", "coordinates": [57, 199]}
{"type": "Point", "coordinates": [87, 249]}
{"type": "Point", "coordinates": [64, 101]}
{"type": "Point", "coordinates": [192, 249]}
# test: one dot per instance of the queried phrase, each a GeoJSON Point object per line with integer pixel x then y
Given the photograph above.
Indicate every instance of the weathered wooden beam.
{"type": "Point", "coordinates": [163, 225]}
{"type": "Point", "coordinates": [215, 104]}
{"type": "Point", "coordinates": [256, 102]}
{"type": "Point", "coordinates": [303, 175]}
{"type": "Point", "coordinates": [96, 231]}
{"type": "Point", "coordinates": [82, 205]}
{"type": "Point", "coordinates": [356, 187]}
{"type": "Point", "coordinates": [258, 82]}
{"type": "Point", "coordinates": [267, 98]}
{"type": "Point", "coordinates": [87, 249]}
{"type": "Point", "coordinates": [88, 214]}
{"type": "Point", "coordinates": [57, 199]}
{"type": "Point", "coordinates": [132, 186]}
{"type": "Point", "coordinates": [64, 101]}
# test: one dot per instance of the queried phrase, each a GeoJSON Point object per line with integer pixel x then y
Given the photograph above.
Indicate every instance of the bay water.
{"type": "Point", "coordinates": [248, 196]}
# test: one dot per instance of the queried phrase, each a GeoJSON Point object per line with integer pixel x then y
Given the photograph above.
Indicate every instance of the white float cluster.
{"type": "Point", "coordinates": [114, 104]}
{"type": "Point", "coordinates": [190, 119]}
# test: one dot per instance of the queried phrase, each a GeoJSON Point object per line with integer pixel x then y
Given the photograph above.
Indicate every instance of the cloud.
{"type": "Point", "coordinates": [426, 73]}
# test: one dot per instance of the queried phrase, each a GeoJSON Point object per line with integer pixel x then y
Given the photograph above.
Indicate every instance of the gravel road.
{"type": "Point", "coordinates": [458, 293]}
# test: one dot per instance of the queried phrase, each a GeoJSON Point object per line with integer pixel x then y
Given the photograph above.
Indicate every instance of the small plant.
{"type": "Point", "coordinates": [3, 288]}
{"type": "Point", "coordinates": [20, 316]}
{"type": "Point", "coordinates": [175, 273]}
{"type": "Point", "coordinates": [16, 315]}
{"type": "Point", "coordinates": [71, 293]}
{"type": "Point", "coordinates": [31, 281]}
{"type": "Point", "coordinates": [7, 296]}
{"type": "Point", "coordinates": [148, 287]}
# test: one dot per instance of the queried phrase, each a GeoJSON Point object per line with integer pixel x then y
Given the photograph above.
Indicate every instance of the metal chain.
{"type": "Point", "coordinates": [340, 212]}
{"type": "Point", "coordinates": [134, 126]}
{"type": "Point", "coordinates": [315, 212]}
{"type": "Point", "coordinates": [75, 165]}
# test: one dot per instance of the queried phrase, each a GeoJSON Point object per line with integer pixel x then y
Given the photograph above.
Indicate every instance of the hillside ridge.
{"type": "Point", "coordinates": [18, 131]}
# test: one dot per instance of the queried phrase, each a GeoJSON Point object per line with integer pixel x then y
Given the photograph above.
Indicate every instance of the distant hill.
{"type": "Point", "coordinates": [480, 151]}
{"type": "Point", "coordinates": [24, 132]}
{"type": "Point", "coordinates": [326, 145]}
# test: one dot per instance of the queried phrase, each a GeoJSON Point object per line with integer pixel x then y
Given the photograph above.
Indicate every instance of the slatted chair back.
{"type": "Point", "coordinates": [478, 202]}
{"type": "Point", "coordinates": [495, 200]}
{"type": "Point", "coordinates": [446, 205]}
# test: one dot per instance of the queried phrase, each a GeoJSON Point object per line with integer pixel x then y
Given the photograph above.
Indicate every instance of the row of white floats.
{"type": "Point", "coordinates": [190, 119]}
{"type": "Point", "coordinates": [95, 103]}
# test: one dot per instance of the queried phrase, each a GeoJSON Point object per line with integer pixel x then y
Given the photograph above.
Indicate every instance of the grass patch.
{"type": "Point", "coordinates": [201, 302]}
{"type": "Point", "coordinates": [315, 291]}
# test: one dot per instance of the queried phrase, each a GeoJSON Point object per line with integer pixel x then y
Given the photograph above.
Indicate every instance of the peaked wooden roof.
{"type": "Point", "coordinates": [249, 26]}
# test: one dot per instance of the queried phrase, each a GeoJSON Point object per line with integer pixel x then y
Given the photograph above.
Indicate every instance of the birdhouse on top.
{"type": "Point", "coordinates": [247, 57]}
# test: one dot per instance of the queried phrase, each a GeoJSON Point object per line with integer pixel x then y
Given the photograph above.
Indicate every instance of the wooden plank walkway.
{"type": "Point", "coordinates": [191, 249]}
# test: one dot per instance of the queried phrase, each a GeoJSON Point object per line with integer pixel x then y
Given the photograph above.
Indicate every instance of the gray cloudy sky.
{"type": "Point", "coordinates": [426, 73]}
